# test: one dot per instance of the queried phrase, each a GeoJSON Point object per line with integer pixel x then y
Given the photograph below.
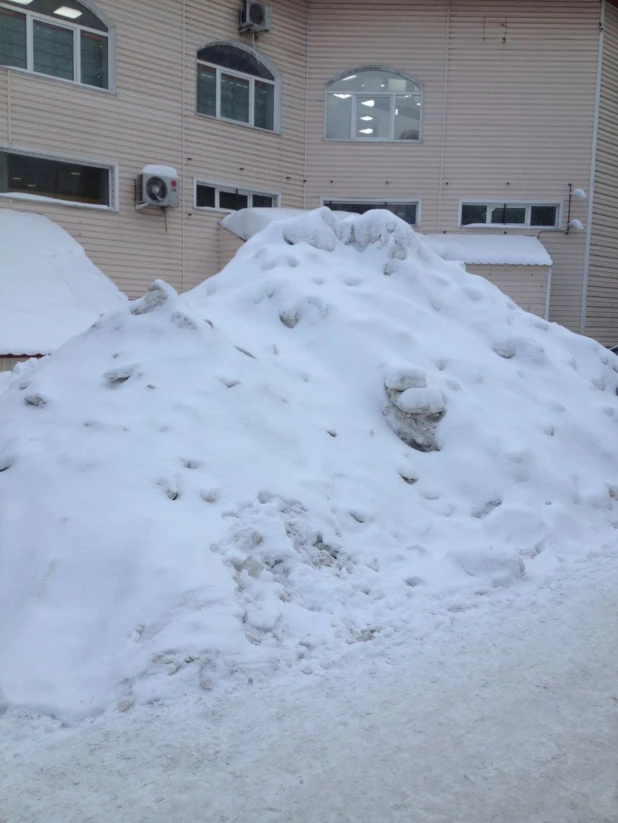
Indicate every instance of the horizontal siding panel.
{"type": "Point", "coordinates": [525, 285]}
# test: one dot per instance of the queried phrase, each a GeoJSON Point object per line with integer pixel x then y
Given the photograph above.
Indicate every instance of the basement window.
{"type": "Point", "coordinates": [26, 176]}
{"type": "Point", "coordinates": [511, 215]}
{"type": "Point", "coordinates": [228, 198]}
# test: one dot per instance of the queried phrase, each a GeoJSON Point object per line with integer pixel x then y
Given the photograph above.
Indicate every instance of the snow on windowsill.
{"type": "Point", "coordinates": [39, 198]}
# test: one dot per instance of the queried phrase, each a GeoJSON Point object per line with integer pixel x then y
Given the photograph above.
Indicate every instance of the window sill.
{"type": "Point", "coordinates": [509, 227]}
{"type": "Point", "coordinates": [214, 210]}
{"type": "Point", "coordinates": [362, 140]}
{"type": "Point", "coordinates": [53, 201]}
{"type": "Point", "coordinates": [276, 132]}
{"type": "Point", "coordinates": [52, 79]}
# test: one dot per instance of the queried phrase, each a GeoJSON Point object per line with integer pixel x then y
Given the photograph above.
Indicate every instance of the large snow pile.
{"type": "Point", "coordinates": [317, 450]}
{"type": "Point", "coordinates": [49, 289]}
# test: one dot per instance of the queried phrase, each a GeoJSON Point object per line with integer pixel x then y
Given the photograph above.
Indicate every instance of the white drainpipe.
{"type": "Point", "coordinates": [593, 168]}
{"type": "Point", "coordinates": [548, 293]}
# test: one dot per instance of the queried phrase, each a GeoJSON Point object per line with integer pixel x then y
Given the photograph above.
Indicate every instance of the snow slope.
{"type": "Point", "coordinates": [314, 454]}
{"type": "Point", "coordinates": [49, 289]}
{"type": "Point", "coordinates": [502, 715]}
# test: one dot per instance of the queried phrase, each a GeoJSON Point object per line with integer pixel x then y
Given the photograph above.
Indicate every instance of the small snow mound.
{"type": "Point", "coordinates": [49, 289]}
{"type": "Point", "coordinates": [212, 483]}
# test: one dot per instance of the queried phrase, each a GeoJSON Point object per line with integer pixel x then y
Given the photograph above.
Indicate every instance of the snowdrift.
{"type": "Point", "coordinates": [325, 447]}
{"type": "Point", "coordinates": [49, 289]}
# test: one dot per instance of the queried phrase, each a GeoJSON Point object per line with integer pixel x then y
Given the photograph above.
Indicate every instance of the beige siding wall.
{"type": "Point", "coordinates": [508, 110]}
{"type": "Point", "coordinates": [8, 363]}
{"type": "Point", "coordinates": [148, 120]}
{"type": "Point", "coordinates": [602, 302]}
{"type": "Point", "coordinates": [525, 285]}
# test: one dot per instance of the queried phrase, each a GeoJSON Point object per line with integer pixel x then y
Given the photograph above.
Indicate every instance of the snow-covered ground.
{"type": "Point", "coordinates": [503, 714]}
{"type": "Point", "coordinates": [320, 453]}
{"type": "Point", "coordinates": [331, 538]}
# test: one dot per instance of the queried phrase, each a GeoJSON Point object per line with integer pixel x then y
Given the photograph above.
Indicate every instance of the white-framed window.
{"type": "Point", "coordinates": [374, 103]}
{"type": "Point", "coordinates": [230, 198]}
{"type": "Point", "coordinates": [57, 38]}
{"type": "Point", "coordinates": [514, 215]}
{"type": "Point", "coordinates": [29, 176]}
{"type": "Point", "coordinates": [408, 210]}
{"type": "Point", "coordinates": [234, 84]}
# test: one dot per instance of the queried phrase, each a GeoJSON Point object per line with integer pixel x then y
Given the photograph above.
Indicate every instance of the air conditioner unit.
{"type": "Point", "coordinates": [255, 17]}
{"type": "Point", "coordinates": [156, 190]}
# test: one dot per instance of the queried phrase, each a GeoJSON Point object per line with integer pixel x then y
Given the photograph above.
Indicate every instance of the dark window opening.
{"type": "Point", "coordinates": [233, 200]}
{"type": "Point", "coordinates": [471, 214]}
{"type": "Point", "coordinates": [205, 197]}
{"type": "Point", "coordinates": [543, 216]}
{"type": "Point", "coordinates": [262, 201]}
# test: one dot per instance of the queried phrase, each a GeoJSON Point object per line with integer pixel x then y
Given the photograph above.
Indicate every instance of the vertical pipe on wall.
{"type": "Point", "coordinates": [547, 293]}
{"type": "Point", "coordinates": [183, 195]}
{"type": "Point", "coordinates": [593, 166]}
{"type": "Point", "coordinates": [9, 126]}
{"type": "Point", "coordinates": [444, 98]}
{"type": "Point", "coordinates": [306, 107]}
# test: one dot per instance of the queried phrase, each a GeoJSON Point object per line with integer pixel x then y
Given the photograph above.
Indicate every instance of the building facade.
{"type": "Point", "coordinates": [459, 115]}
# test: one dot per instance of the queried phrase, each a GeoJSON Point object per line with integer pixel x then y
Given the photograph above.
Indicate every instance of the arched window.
{"type": "Point", "coordinates": [59, 38]}
{"type": "Point", "coordinates": [373, 103]}
{"type": "Point", "coordinates": [233, 83]}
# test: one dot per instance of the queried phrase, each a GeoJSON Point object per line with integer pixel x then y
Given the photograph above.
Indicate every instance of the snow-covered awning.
{"type": "Point", "coordinates": [479, 249]}
{"type": "Point", "coordinates": [490, 249]}
{"type": "Point", "coordinates": [49, 289]}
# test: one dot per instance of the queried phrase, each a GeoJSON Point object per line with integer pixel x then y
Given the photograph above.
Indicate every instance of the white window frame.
{"type": "Point", "coordinates": [407, 201]}
{"type": "Point", "coordinates": [353, 138]}
{"type": "Point", "coordinates": [275, 83]}
{"type": "Point", "coordinates": [493, 204]}
{"type": "Point", "coordinates": [231, 189]}
{"type": "Point", "coordinates": [112, 168]}
{"type": "Point", "coordinates": [31, 16]}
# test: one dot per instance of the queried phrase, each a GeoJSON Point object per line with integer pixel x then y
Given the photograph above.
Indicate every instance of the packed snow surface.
{"type": "Point", "coordinates": [49, 289]}
{"type": "Point", "coordinates": [309, 456]}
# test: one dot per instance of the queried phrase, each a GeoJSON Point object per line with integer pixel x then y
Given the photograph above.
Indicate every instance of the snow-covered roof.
{"type": "Point", "coordinates": [49, 289]}
{"type": "Point", "coordinates": [490, 249]}
{"type": "Point", "coordinates": [479, 249]}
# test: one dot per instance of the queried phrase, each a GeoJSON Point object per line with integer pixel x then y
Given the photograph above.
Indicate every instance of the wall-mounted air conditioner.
{"type": "Point", "coordinates": [157, 187]}
{"type": "Point", "coordinates": [255, 17]}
